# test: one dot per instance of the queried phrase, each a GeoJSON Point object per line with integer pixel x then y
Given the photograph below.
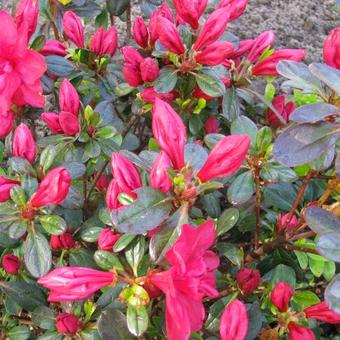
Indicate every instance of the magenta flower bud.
{"type": "Point", "coordinates": [107, 239]}
{"type": "Point", "coordinates": [26, 16]}
{"type": "Point", "coordinates": [53, 189]}
{"type": "Point", "coordinates": [322, 312]}
{"type": "Point", "coordinates": [234, 321]}
{"type": "Point", "coordinates": [248, 280]}
{"type": "Point", "coordinates": [6, 123]}
{"type": "Point", "coordinates": [263, 41]}
{"type": "Point", "coordinates": [149, 95]}
{"type": "Point", "coordinates": [11, 264]}
{"type": "Point", "coordinates": [169, 36]}
{"type": "Point", "coordinates": [69, 123]}
{"type": "Point", "coordinates": [68, 98]}
{"type": "Point", "coordinates": [6, 186]}
{"type": "Point", "coordinates": [169, 131]}
{"type": "Point", "coordinates": [75, 283]}
{"type": "Point", "coordinates": [297, 332]}
{"type": "Point", "coordinates": [225, 158]}
{"type": "Point", "coordinates": [140, 32]}
{"type": "Point", "coordinates": [215, 53]}
{"type": "Point", "coordinates": [267, 67]}
{"type": "Point", "coordinates": [293, 223]}
{"type": "Point", "coordinates": [131, 67]}
{"type": "Point", "coordinates": [283, 108]}
{"type": "Point", "coordinates": [104, 42]}
{"type": "Point", "coordinates": [159, 177]}
{"type": "Point", "coordinates": [212, 29]}
{"type": "Point", "coordinates": [53, 47]}
{"type": "Point", "coordinates": [102, 182]}
{"type": "Point", "coordinates": [245, 46]}
{"type": "Point", "coordinates": [149, 70]}
{"type": "Point", "coordinates": [52, 121]}
{"type": "Point", "coordinates": [111, 197]}
{"type": "Point", "coordinates": [331, 49]}
{"type": "Point", "coordinates": [73, 28]}
{"type": "Point", "coordinates": [212, 125]}
{"type": "Point", "coordinates": [190, 11]}
{"type": "Point", "coordinates": [64, 241]}
{"type": "Point", "coordinates": [67, 323]}
{"type": "Point", "coordinates": [23, 143]}
{"type": "Point", "coordinates": [236, 7]}
{"type": "Point", "coordinates": [281, 295]}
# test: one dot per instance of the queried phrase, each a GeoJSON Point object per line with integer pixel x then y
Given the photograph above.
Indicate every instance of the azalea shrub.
{"type": "Point", "coordinates": [167, 179]}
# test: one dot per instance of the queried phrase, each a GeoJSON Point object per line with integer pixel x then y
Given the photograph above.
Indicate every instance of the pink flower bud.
{"type": "Point", "coordinates": [212, 29]}
{"type": "Point", "coordinates": [263, 41]}
{"type": "Point", "coordinates": [104, 42]}
{"type": "Point", "coordinates": [245, 46]}
{"type": "Point", "coordinates": [52, 121]}
{"type": "Point", "coordinates": [212, 125]}
{"type": "Point", "coordinates": [236, 7]}
{"type": "Point", "coordinates": [169, 131]}
{"type": "Point", "coordinates": [111, 197]}
{"type": "Point", "coordinates": [69, 123]}
{"type": "Point", "coordinates": [159, 177]}
{"type": "Point", "coordinates": [248, 280]}
{"type": "Point", "coordinates": [102, 182]}
{"type": "Point", "coordinates": [281, 295]}
{"type": "Point", "coordinates": [149, 95]}
{"type": "Point", "coordinates": [26, 16]}
{"type": "Point", "coordinates": [131, 67]}
{"type": "Point", "coordinates": [169, 36]}
{"type": "Point", "coordinates": [225, 158]}
{"type": "Point", "coordinates": [67, 323]}
{"type": "Point", "coordinates": [322, 312]}
{"type": "Point", "coordinates": [6, 123]}
{"type": "Point", "coordinates": [285, 110]}
{"type": "Point", "coordinates": [149, 70]}
{"type": "Point", "coordinates": [53, 47]}
{"type": "Point", "coordinates": [75, 283]}
{"type": "Point", "coordinates": [234, 321]}
{"type": "Point", "coordinates": [53, 189]}
{"type": "Point", "coordinates": [73, 28]}
{"type": "Point", "coordinates": [267, 67]}
{"type": "Point", "coordinates": [23, 143]}
{"type": "Point", "coordinates": [125, 173]}
{"type": "Point", "coordinates": [6, 186]}
{"type": "Point", "coordinates": [293, 223]}
{"type": "Point", "coordinates": [140, 32]}
{"type": "Point", "coordinates": [64, 241]}
{"type": "Point", "coordinates": [190, 11]}
{"type": "Point", "coordinates": [107, 239]}
{"type": "Point", "coordinates": [215, 53]}
{"type": "Point", "coordinates": [11, 264]}
{"type": "Point", "coordinates": [331, 49]}
{"type": "Point", "coordinates": [297, 332]}
{"type": "Point", "coordinates": [68, 98]}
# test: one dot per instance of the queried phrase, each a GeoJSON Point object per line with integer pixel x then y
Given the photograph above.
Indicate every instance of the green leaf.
{"type": "Point", "coordinates": [149, 210]}
{"type": "Point", "coordinates": [280, 195]}
{"type": "Point", "coordinates": [329, 75]}
{"type": "Point", "coordinates": [210, 85]}
{"type": "Point", "coordinates": [117, 7]}
{"type": "Point", "coordinates": [112, 325]}
{"type": "Point", "coordinates": [321, 221]}
{"type": "Point", "coordinates": [82, 258]}
{"type": "Point", "coordinates": [107, 260]}
{"type": "Point", "coordinates": [18, 195]}
{"type": "Point", "coordinates": [231, 252]}
{"type": "Point", "coordinates": [312, 113]}
{"type": "Point", "coordinates": [195, 155]}
{"type": "Point", "coordinates": [19, 333]}
{"type": "Point", "coordinates": [38, 42]}
{"type": "Point", "coordinates": [137, 320]}
{"type": "Point", "coordinates": [332, 294]}
{"type": "Point", "coordinates": [20, 166]}
{"type": "Point", "coordinates": [316, 264]}
{"type": "Point", "coordinates": [37, 254]}
{"type": "Point", "coordinates": [305, 299]}
{"type": "Point", "coordinates": [134, 253]}
{"type": "Point", "coordinates": [329, 246]}
{"type": "Point", "coordinates": [123, 89]}
{"type": "Point", "coordinates": [58, 66]}
{"type": "Point", "coordinates": [283, 273]}
{"type": "Point", "coordinates": [123, 242]}
{"type": "Point", "coordinates": [329, 270]}
{"type": "Point", "coordinates": [166, 80]}
{"type": "Point", "coordinates": [242, 188]}
{"type": "Point", "coordinates": [231, 108]}
{"type": "Point", "coordinates": [302, 258]}
{"type": "Point", "coordinates": [264, 138]}
{"type": "Point", "coordinates": [227, 220]}
{"type": "Point", "coordinates": [242, 125]}
{"type": "Point", "coordinates": [53, 224]}
{"type": "Point", "coordinates": [43, 317]}
{"type": "Point", "coordinates": [277, 173]}
{"type": "Point", "coordinates": [26, 295]}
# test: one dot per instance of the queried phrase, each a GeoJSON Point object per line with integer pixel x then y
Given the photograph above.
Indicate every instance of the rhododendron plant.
{"type": "Point", "coordinates": [160, 178]}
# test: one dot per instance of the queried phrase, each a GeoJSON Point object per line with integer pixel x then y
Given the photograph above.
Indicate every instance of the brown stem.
{"type": "Point", "coordinates": [298, 198]}
{"type": "Point", "coordinates": [257, 206]}
{"type": "Point", "coordinates": [302, 249]}
{"type": "Point", "coordinates": [331, 186]}
{"type": "Point", "coordinates": [128, 22]}
{"type": "Point", "coordinates": [302, 235]}
{"type": "Point", "coordinates": [112, 19]}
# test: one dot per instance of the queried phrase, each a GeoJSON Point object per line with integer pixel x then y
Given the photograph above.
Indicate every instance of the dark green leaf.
{"type": "Point", "coordinates": [195, 155]}
{"type": "Point", "coordinates": [322, 221]}
{"type": "Point", "coordinates": [88, 9]}
{"type": "Point", "coordinates": [149, 210]}
{"type": "Point", "coordinates": [107, 260]}
{"type": "Point", "coordinates": [112, 325]}
{"type": "Point", "coordinates": [312, 113]}
{"type": "Point", "coordinates": [59, 66]}
{"type": "Point", "coordinates": [38, 43]}
{"type": "Point", "coordinates": [82, 258]}
{"type": "Point", "coordinates": [19, 333]}
{"type": "Point", "coordinates": [166, 80]}
{"type": "Point", "coordinates": [123, 242]}
{"type": "Point", "coordinates": [137, 320]}
{"type": "Point", "coordinates": [283, 273]}
{"type": "Point", "coordinates": [242, 188]}
{"type": "Point", "coordinates": [231, 104]}
{"type": "Point", "coordinates": [43, 317]}
{"type": "Point", "coordinates": [53, 224]}
{"type": "Point", "coordinates": [227, 220]}
{"type": "Point", "coordinates": [37, 254]}
{"type": "Point", "coordinates": [134, 253]}
{"type": "Point", "coordinates": [332, 294]}
{"type": "Point", "coordinates": [210, 84]}
{"type": "Point", "coordinates": [242, 125]}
